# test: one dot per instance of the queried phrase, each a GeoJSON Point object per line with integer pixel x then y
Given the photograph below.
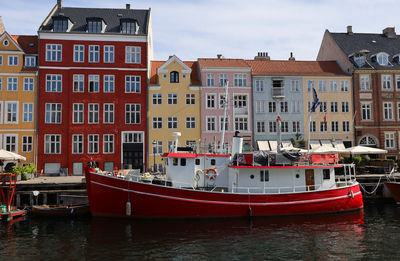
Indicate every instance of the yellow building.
{"type": "Point", "coordinates": [173, 106]}
{"type": "Point", "coordinates": [18, 82]}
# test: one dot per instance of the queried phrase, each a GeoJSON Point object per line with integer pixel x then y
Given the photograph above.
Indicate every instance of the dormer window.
{"type": "Point", "coordinates": [95, 25]}
{"type": "Point", "coordinates": [382, 59]}
{"type": "Point", "coordinates": [359, 59]}
{"type": "Point", "coordinates": [174, 76]}
{"type": "Point", "coordinates": [128, 26]}
{"type": "Point", "coordinates": [60, 24]}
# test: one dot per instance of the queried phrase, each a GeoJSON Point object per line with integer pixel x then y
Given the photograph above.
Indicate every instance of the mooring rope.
{"type": "Point", "coordinates": [374, 190]}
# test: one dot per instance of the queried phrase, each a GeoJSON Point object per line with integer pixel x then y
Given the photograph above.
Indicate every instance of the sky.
{"type": "Point", "coordinates": [193, 29]}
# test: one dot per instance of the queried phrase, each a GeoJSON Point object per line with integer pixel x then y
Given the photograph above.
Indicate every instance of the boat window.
{"type": "Point", "coordinates": [326, 173]}
{"type": "Point", "coordinates": [197, 162]}
{"type": "Point", "coordinates": [264, 175]}
{"type": "Point", "coordinates": [252, 176]}
{"type": "Point", "coordinates": [213, 162]}
{"type": "Point", "coordinates": [175, 161]}
{"type": "Point", "coordinates": [183, 162]}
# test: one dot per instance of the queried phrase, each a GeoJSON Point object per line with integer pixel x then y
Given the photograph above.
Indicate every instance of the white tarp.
{"type": "Point", "coordinates": [263, 145]}
{"type": "Point", "coordinates": [364, 150]}
{"type": "Point", "coordinates": [314, 144]}
{"type": "Point", "coordinates": [8, 155]}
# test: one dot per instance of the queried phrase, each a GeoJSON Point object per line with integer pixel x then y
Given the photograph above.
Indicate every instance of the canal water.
{"type": "Point", "coordinates": [373, 234]}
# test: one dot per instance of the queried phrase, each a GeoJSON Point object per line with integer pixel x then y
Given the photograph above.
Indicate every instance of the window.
{"type": "Point", "coordinates": [223, 102]}
{"type": "Point", "coordinates": [52, 144]}
{"type": "Point", "coordinates": [344, 85]}
{"type": "Point", "coordinates": [271, 106]}
{"type": "Point", "coordinates": [30, 61]}
{"type": "Point", "coordinates": [171, 146]}
{"type": "Point", "coordinates": [28, 112]}
{"type": "Point", "coordinates": [285, 126]}
{"type": "Point", "coordinates": [334, 107]}
{"type": "Point", "coordinates": [284, 106]}
{"type": "Point", "coordinates": [366, 111]}
{"type": "Point", "coordinates": [382, 59]}
{"type": "Point", "coordinates": [53, 113]}
{"type": "Point", "coordinates": [364, 83]}
{"type": "Point", "coordinates": [295, 85]}
{"type": "Point", "coordinates": [240, 80]}
{"type": "Point", "coordinates": [333, 85]}
{"type": "Point", "coordinates": [260, 106]}
{"type": "Point", "coordinates": [272, 126]}
{"type": "Point", "coordinates": [172, 122]}
{"type": "Point", "coordinates": [157, 122]}
{"type": "Point", "coordinates": [12, 84]}
{"type": "Point", "coordinates": [322, 85]}
{"type": "Point", "coordinates": [11, 143]}
{"type": "Point", "coordinates": [241, 124]}
{"type": "Point", "coordinates": [94, 53]}
{"type": "Point", "coordinates": [313, 126]}
{"type": "Point", "coordinates": [259, 84]}
{"type": "Point", "coordinates": [223, 79]}
{"type": "Point", "coordinates": [108, 53]}
{"type": "Point", "coordinates": [128, 27]}
{"type": "Point", "coordinates": [60, 25]}
{"type": "Point", "coordinates": [95, 26]}
{"type": "Point", "coordinates": [222, 121]}
{"type": "Point", "coordinates": [132, 54]}
{"type": "Point", "coordinates": [210, 120]}
{"type": "Point", "coordinates": [93, 83]}
{"type": "Point", "coordinates": [1, 83]}
{"type": "Point", "coordinates": [108, 113]}
{"type": "Point", "coordinates": [345, 106]}
{"type": "Point", "coordinates": [172, 98]}
{"type": "Point", "coordinates": [326, 173]}
{"type": "Point", "coordinates": [1, 59]}
{"type": "Point", "coordinates": [389, 140]}
{"type": "Point", "coordinates": [310, 85]}
{"type": "Point", "coordinates": [79, 53]}
{"type": "Point", "coordinates": [174, 77]}
{"type": "Point", "coordinates": [335, 126]}
{"type": "Point", "coordinates": [386, 82]}
{"type": "Point", "coordinates": [240, 101]}
{"type": "Point", "coordinates": [323, 127]}
{"type": "Point", "coordinates": [78, 113]}
{"type": "Point", "coordinates": [53, 83]}
{"type": "Point", "coordinates": [346, 126]}
{"type": "Point", "coordinates": [398, 111]}
{"type": "Point", "coordinates": [210, 101]}
{"type": "Point", "coordinates": [190, 122]}
{"type": "Point", "coordinates": [79, 85]}
{"type": "Point", "coordinates": [93, 143]}
{"type": "Point", "coordinates": [157, 147]}
{"type": "Point", "coordinates": [296, 127]}
{"type": "Point", "coordinates": [109, 83]}
{"type": "Point", "coordinates": [190, 99]}
{"type": "Point", "coordinates": [260, 126]}
{"type": "Point", "coordinates": [93, 113]}
{"type": "Point", "coordinates": [295, 106]}
{"type": "Point", "coordinates": [77, 144]}
{"type": "Point", "coordinates": [387, 111]}
{"type": "Point", "coordinates": [53, 52]}
{"type": "Point", "coordinates": [28, 84]}
{"type": "Point", "coordinates": [132, 84]}
{"type": "Point", "coordinates": [210, 79]}
{"type": "Point", "coordinates": [27, 143]}
{"type": "Point", "coordinates": [264, 175]}
{"type": "Point", "coordinates": [132, 113]}
{"type": "Point", "coordinates": [157, 98]}
{"type": "Point", "coordinates": [359, 59]}
{"type": "Point", "coordinates": [12, 60]}
{"type": "Point", "coordinates": [323, 107]}
{"type": "Point", "coordinates": [108, 143]}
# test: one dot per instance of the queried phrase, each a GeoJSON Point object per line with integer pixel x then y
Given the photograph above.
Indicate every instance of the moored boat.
{"type": "Point", "coordinates": [394, 189]}
{"type": "Point", "coordinates": [61, 210]}
{"type": "Point", "coordinates": [215, 185]}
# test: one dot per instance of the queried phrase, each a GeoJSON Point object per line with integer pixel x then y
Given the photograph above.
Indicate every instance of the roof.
{"type": "Point", "coordinates": [194, 77]}
{"type": "Point", "coordinates": [110, 16]}
{"type": "Point", "coordinates": [222, 63]}
{"type": "Point", "coordinates": [28, 43]}
{"type": "Point", "coordinates": [374, 43]}
{"type": "Point", "coordinates": [303, 68]}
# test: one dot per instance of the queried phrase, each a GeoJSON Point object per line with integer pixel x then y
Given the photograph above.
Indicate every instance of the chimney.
{"type": "Point", "coordinates": [350, 30]}
{"type": "Point", "coordinates": [128, 6]}
{"type": "Point", "coordinates": [389, 32]}
{"type": "Point", "coordinates": [262, 56]}
{"type": "Point", "coordinates": [59, 3]}
{"type": "Point", "coordinates": [2, 28]}
{"type": "Point", "coordinates": [291, 58]}
{"type": "Point", "coordinates": [220, 56]}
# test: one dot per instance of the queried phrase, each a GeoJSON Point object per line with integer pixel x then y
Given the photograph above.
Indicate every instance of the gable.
{"type": "Point", "coordinates": [174, 64]}
{"type": "Point", "coordinates": [8, 43]}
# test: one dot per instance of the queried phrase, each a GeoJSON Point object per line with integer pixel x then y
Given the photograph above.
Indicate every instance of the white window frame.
{"type": "Point", "coordinates": [388, 111]}
{"type": "Point", "coordinates": [260, 106]}
{"type": "Point", "coordinates": [222, 101]}
{"type": "Point", "coordinates": [172, 122]}
{"type": "Point", "coordinates": [77, 144]}
{"type": "Point", "coordinates": [93, 83]}
{"type": "Point", "coordinates": [272, 126]}
{"type": "Point", "coordinates": [334, 126]}
{"type": "Point", "coordinates": [211, 122]}
{"type": "Point", "coordinates": [221, 121]}
{"type": "Point", "coordinates": [133, 54]}
{"type": "Point", "coordinates": [241, 123]}
{"type": "Point", "coordinates": [27, 143]}
{"type": "Point", "coordinates": [190, 98]}
{"type": "Point", "coordinates": [53, 113]}
{"type": "Point", "coordinates": [157, 122]}
{"type": "Point", "coordinates": [367, 107]}
{"type": "Point", "coordinates": [240, 100]}
{"type": "Point", "coordinates": [210, 79]}
{"type": "Point", "coordinates": [334, 107]}
{"type": "Point", "coordinates": [93, 113]}
{"type": "Point", "coordinates": [94, 54]}
{"type": "Point", "coordinates": [53, 53]}
{"type": "Point", "coordinates": [12, 84]}
{"type": "Point", "coordinates": [172, 99]}
{"type": "Point", "coordinates": [211, 101]}
{"type": "Point", "coordinates": [27, 112]}
{"type": "Point", "coordinates": [132, 113]}
{"type": "Point", "coordinates": [13, 60]}
{"type": "Point", "coordinates": [79, 53]}
{"type": "Point", "coordinates": [30, 61]}
{"type": "Point", "coordinates": [132, 84]}
{"type": "Point", "coordinates": [54, 84]}
{"type": "Point", "coordinates": [29, 84]}
{"type": "Point", "coordinates": [386, 82]}
{"type": "Point", "coordinates": [108, 113]}
{"type": "Point", "coordinates": [365, 83]}
{"type": "Point", "coordinates": [52, 140]}
{"type": "Point", "coordinates": [260, 126]}
{"type": "Point", "coordinates": [344, 85]}
{"type": "Point", "coordinates": [345, 106]}
{"type": "Point", "coordinates": [156, 99]}
{"type": "Point", "coordinates": [12, 113]}
{"type": "Point", "coordinates": [322, 85]}
{"type": "Point", "coordinates": [108, 143]}
{"type": "Point", "coordinates": [333, 86]}
{"type": "Point", "coordinates": [346, 126]}
{"type": "Point", "coordinates": [78, 84]}
{"type": "Point", "coordinates": [191, 122]}
{"type": "Point", "coordinates": [240, 80]}
{"type": "Point", "coordinates": [108, 56]}
{"type": "Point", "coordinates": [390, 140]}
{"type": "Point", "coordinates": [109, 83]}
{"type": "Point", "coordinates": [12, 144]}
{"type": "Point", "coordinates": [78, 113]}
{"type": "Point", "coordinates": [93, 144]}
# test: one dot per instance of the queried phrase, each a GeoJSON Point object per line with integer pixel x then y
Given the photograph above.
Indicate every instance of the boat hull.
{"type": "Point", "coordinates": [108, 196]}
{"type": "Point", "coordinates": [394, 189]}
{"type": "Point", "coordinates": [61, 211]}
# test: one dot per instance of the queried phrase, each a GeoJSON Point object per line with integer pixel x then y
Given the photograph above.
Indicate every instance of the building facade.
{"type": "Point", "coordinates": [18, 92]}
{"type": "Point", "coordinates": [215, 74]}
{"type": "Point", "coordinates": [373, 61]}
{"type": "Point", "coordinates": [174, 106]}
{"type": "Point", "coordinates": [93, 88]}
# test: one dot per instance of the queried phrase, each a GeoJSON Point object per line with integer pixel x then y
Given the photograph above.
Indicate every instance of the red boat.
{"type": "Point", "coordinates": [211, 185]}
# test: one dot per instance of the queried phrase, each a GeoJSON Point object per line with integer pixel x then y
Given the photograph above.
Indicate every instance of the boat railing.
{"type": "Point", "coordinates": [276, 190]}
{"type": "Point", "coordinates": [348, 176]}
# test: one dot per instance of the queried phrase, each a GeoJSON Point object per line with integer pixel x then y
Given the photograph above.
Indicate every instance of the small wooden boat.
{"type": "Point", "coordinates": [394, 189]}
{"type": "Point", "coordinates": [12, 214]}
{"type": "Point", "coordinates": [61, 210]}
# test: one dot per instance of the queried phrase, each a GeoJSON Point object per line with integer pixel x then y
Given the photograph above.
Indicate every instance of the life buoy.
{"type": "Point", "coordinates": [211, 173]}
{"type": "Point", "coordinates": [115, 172]}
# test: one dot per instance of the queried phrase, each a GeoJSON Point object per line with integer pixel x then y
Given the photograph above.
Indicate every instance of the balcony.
{"type": "Point", "coordinates": [278, 92]}
{"type": "Point", "coordinates": [243, 111]}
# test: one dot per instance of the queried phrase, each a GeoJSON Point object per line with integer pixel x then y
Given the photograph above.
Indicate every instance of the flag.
{"type": "Point", "coordinates": [325, 118]}
{"type": "Point", "coordinates": [316, 102]}
{"type": "Point", "coordinates": [278, 118]}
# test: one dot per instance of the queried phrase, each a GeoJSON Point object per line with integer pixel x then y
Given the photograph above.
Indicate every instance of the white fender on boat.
{"type": "Point", "coordinates": [128, 208]}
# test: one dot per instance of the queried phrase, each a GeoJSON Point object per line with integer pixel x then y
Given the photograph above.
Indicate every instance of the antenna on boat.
{"type": "Point", "coordinates": [225, 103]}
{"type": "Point", "coordinates": [176, 135]}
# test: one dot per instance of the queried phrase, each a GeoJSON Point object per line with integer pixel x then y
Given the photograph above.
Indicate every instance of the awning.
{"type": "Point", "coordinates": [263, 145]}
{"type": "Point", "coordinates": [314, 144]}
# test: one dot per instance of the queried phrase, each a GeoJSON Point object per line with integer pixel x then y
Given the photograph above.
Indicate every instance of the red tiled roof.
{"type": "Point", "coordinates": [222, 63]}
{"type": "Point", "coordinates": [327, 68]}
{"type": "Point", "coordinates": [191, 64]}
{"type": "Point", "coordinates": [28, 43]}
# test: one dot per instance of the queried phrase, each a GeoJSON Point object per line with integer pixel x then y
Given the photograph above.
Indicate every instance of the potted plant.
{"type": "Point", "coordinates": [19, 170]}
{"type": "Point", "coordinates": [29, 172]}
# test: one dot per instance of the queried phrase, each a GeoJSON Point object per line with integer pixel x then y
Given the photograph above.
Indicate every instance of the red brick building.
{"type": "Point", "coordinates": [92, 88]}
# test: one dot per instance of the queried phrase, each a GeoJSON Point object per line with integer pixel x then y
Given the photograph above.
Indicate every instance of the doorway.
{"type": "Point", "coordinates": [310, 182]}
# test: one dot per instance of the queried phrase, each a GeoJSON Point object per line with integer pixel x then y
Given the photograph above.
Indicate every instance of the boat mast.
{"type": "Point", "coordinates": [221, 149]}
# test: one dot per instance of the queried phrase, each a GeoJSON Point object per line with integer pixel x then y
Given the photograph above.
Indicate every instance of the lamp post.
{"type": "Point", "coordinates": [154, 154]}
